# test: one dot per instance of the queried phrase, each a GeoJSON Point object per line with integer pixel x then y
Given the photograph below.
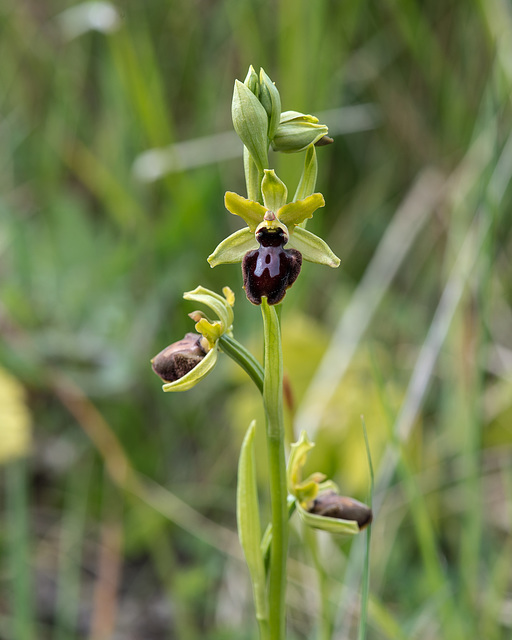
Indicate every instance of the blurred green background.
{"type": "Point", "coordinates": [118, 500]}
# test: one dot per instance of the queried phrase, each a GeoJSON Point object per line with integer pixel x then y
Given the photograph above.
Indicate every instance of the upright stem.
{"type": "Point", "coordinates": [273, 400]}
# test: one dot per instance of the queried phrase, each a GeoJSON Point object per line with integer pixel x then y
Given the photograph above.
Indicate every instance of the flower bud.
{"type": "Point", "coordinates": [297, 135]}
{"type": "Point", "coordinates": [250, 121]}
{"type": "Point", "coordinates": [270, 270]}
{"type": "Point", "coordinates": [332, 505]}
{"type": "Point", "coordinates": [271, 101]}
{"type": "Point", "coordinates": [252, 81]}
{"type": "Point", "coordinates": [176, 360]}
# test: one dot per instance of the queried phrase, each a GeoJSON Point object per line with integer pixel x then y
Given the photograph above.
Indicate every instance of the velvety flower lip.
{"type": "Point", "coordinates": [176, 360]}
{"type": "Point", "coordinates": [330, 504]}
{"type": "Point", "coordinates": [270, 270]}
{"type": "Point", "coordinates": [287, 216]}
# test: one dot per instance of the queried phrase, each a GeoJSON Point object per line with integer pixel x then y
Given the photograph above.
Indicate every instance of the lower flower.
{"type": "Point", "coordinates": [332, 505]}
{"type": "Point", "coordinates": [183, 364]}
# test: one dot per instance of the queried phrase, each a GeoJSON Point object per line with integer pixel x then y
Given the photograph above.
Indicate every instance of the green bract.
{"type": "Point", "coordinates": [248, 520]}
{"type": "Point", "coordinates": [286, 216]}
{"type": "Point", "coordinates": [211, 330]}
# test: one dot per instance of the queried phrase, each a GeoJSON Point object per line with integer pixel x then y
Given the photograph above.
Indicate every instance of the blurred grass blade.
{"type": "Point", "coordinates": [19, 550]}
{"type": "Point", "coordinates": [71, 541]}
{"type": "Point", "coordinates": [392, 250]}
{"type": "Point", "coordinates": [366, 571]}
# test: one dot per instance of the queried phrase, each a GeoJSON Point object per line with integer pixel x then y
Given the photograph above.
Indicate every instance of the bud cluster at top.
{"type": "Point", "coordinates": [259, 122]}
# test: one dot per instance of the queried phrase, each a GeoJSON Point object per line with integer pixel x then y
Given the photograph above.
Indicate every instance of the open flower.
{"type": "Point", "coordinates": [317, 499]}
{"type": "Point", "coordinates": [183, 364]}
{"type": "Point", "coordinates": [274, 224]}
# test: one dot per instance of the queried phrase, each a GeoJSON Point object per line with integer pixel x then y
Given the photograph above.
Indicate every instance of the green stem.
{"type": "Point", "coordinates": [244, 358]}
{"type": "Point", "coordinates": [273, 400]}
{"type": "Point", "coordinates": [326, 618]}
{"type": "Point", "coordinates": [266, 540]}
{"type": "Point", "coordinates": [253, 178]}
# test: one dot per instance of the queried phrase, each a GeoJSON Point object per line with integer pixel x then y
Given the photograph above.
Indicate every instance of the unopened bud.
{"type": "Point", "coordinates": [332, 505]}
{"type": "Point", "coordinates": [297, 136]}
{"type": "Point", "coordinates": [176, 360]}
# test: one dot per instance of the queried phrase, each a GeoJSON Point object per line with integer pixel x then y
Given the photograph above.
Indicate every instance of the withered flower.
{"type": "Point", "coordinates": [317, 499]}
{"type": "Point", "coordinates": [332, 505]}
{"type": "Point", "coordinates": [183, 364]}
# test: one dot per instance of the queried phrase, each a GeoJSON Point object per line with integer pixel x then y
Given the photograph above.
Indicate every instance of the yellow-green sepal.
{"type": "Point", "coordinates": [298, 454]}
{"type": "Point", "coordinates": [233, 248]}
{"type": "Point", "coordinates": [307, 182]}
{"type": "Point", "coordinates": [274, 191]}
{"type": "Point", "coordinates": [248, 521]}
{"type": "Point", "coordinates": [345, 528]}
{"type": "Point", "coordinates": [250, 211]}
{"type": "Point", "coordinates": [297, 116]}
{"type": "Point", "coordinates": [195, 375]}
{"type": "Point", "coordinates": [312, 248]}
{"type": "Point", "coordinates": [220, 305]}
{"type": "Point", "coordinates": [294, 213]}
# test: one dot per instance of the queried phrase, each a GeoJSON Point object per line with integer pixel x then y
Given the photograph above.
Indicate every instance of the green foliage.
{"type": "Point", "coordinates": [94, 260]}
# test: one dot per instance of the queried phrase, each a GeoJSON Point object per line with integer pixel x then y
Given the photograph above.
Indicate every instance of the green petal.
{"type": "Point", "coordinates": [274, 191]}
{"type": "Point", "coordinates": [212, 331]}
{"type": "Point", "coordinates": [313, 248]}
{"type": "Point", "coordinates": [218, 304]}
{"type": "Point", "coordinates": [233, 248]}
{"type": "Point", "coordinates": [195, 375]}
{"type": "Point", "coordinates": [296, 212]}
{"type": "Point", "coordinates": [346, 528]}
{"type": "Point", "coordinates": [251, 212]}
{"type": "Point", "coordinates": [248, 520]}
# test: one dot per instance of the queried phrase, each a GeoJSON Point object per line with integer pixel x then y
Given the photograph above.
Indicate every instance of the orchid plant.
{"type": "Point", "coordinates": [271, 248]}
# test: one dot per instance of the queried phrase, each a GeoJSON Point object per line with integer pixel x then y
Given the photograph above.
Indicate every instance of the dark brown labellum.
{"type": "Point", "coordinates": [332, 505]}
{"type": "Point", "coordinates": [270, 270]}
{"type": "Point", "coordinates": [176, 360]}
{"type": "Point", "coordinates": [324, 141]}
